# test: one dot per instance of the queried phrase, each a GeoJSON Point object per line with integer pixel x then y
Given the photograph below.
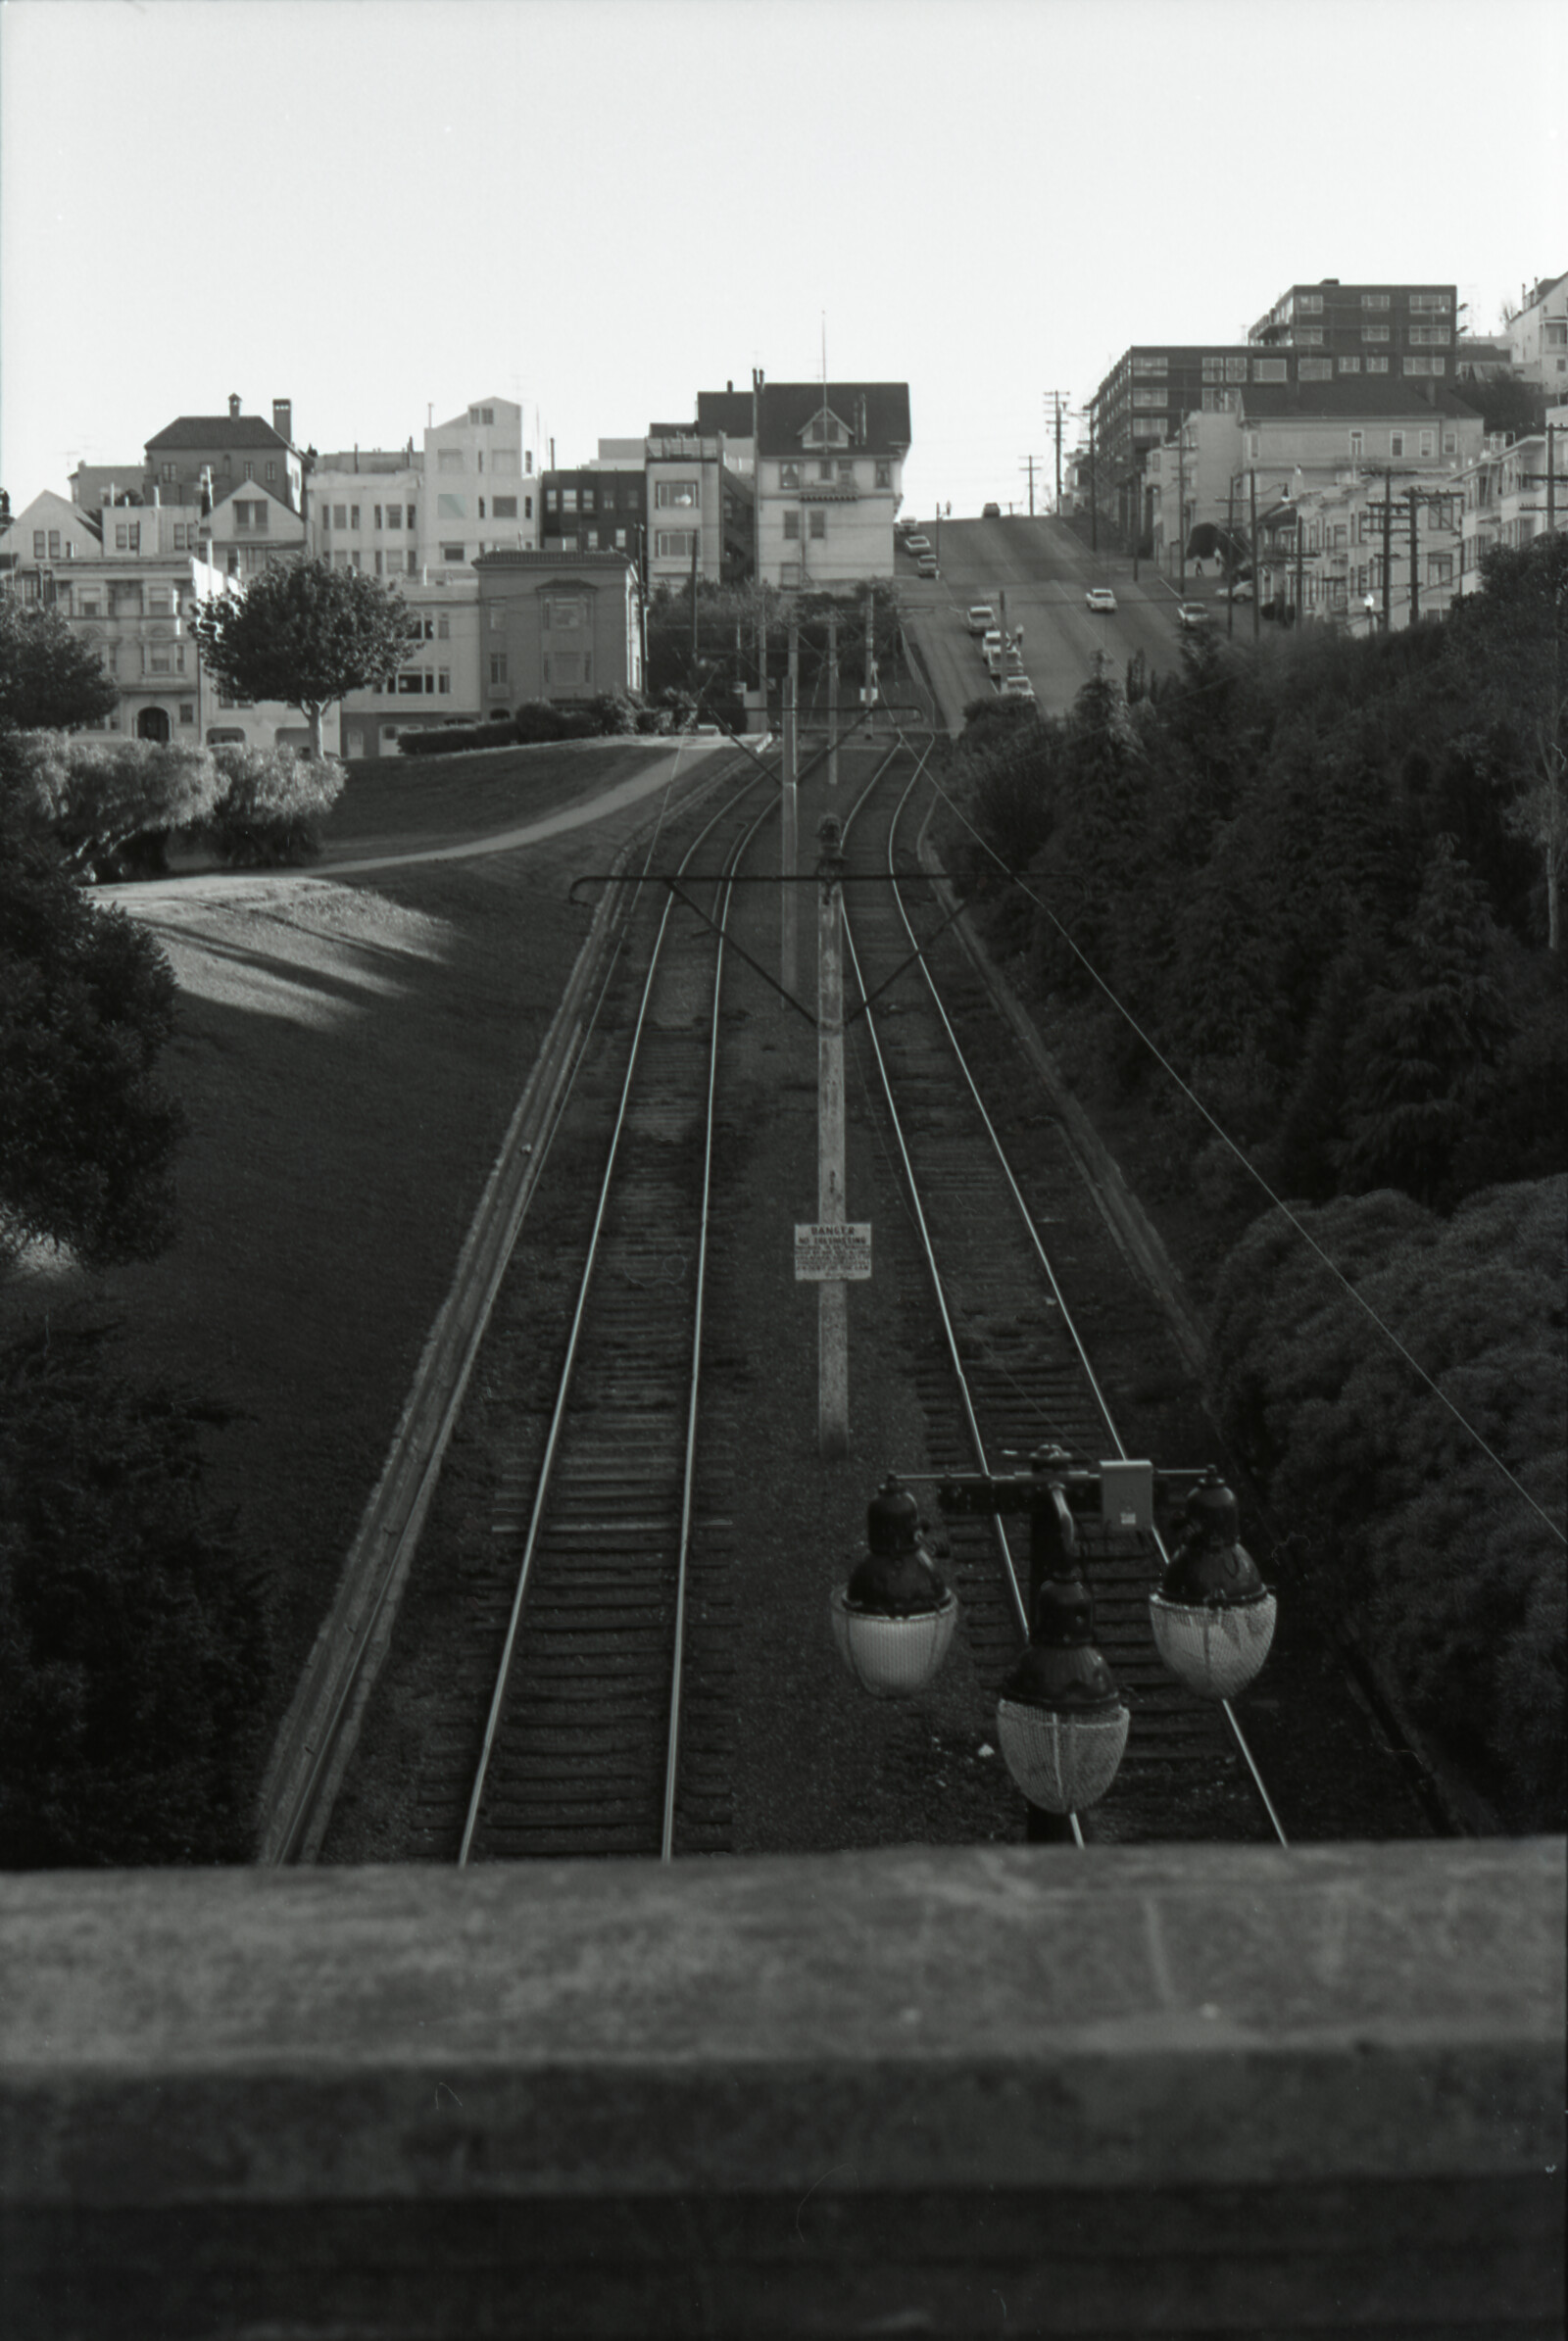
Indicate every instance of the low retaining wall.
{"type": "Point", "coordinates": [1007, 2090]}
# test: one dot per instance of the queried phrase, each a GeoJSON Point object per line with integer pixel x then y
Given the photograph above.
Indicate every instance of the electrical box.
{"type": "Point", "coordinates": [1127, 1497]}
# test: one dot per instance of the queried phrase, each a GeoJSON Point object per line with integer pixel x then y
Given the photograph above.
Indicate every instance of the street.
{"type": "Point", "coordinates": [1045, 571]}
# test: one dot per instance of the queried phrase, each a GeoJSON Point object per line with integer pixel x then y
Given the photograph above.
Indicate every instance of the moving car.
{"type": "Point", "coordinates": [982, 618]}
{"type": "Point", "coordinates": [991, 512]}
{"type": "Point", "coordinates": [1100, 597]}
{"type": "Point", "coordinates": [1192, 614]}
{"type": "Point", "coordinates": [1018, 686]}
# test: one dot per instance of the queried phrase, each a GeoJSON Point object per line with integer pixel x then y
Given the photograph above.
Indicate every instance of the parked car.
{"type": "Point", "coordinates": [1100, 597]}
{"type": "Point", "coordinates": [1018, 686]}
{"type": "Point", "coordinates": [928, 565]}
{"type": "Point", "coordinates": [991, 512]}
{"type": "Point", "coordinates": [1241, 591]}
{"type": "Point", "coordinates": [916, 545]}
{"type": "Point", "coordinates": [1192, 614]}
{"type": "Point", "coordinates": [982, 618]}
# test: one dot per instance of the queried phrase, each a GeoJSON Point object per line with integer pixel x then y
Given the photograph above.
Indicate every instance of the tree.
{"type": "Point", "coordinates": [1513, 637]}
{"type": "Point", "coordinates": [48, 679]}
{"type": "Point", "coordinates": [306, 633]}
{"type": "Point", "coordinates": [86, 1134]}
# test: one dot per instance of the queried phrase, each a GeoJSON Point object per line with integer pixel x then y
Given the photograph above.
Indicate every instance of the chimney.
{"type": "Point", "coordinates": [284, 418]}
{"type": "Point", "coordinates": [233, 403]}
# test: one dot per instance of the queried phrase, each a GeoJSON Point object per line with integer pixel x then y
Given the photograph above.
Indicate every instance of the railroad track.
{"type": "Point", "coordinates": [1010, 1369]}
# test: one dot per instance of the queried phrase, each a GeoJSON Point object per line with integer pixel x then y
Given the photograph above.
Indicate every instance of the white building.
{"type": "Point", "coordinates": [829, 481]}
{"type": "Point", "coordinates": [480, 488]}
{"type": "Point", "coordinates": [1537, 335]}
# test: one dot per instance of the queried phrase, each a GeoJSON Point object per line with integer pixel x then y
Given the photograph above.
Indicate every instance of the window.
{"type": "Point", "coordinates": [789, 475]}
{"type": "Point", "coordinates": [187, 711]}
{"type": "Point", "coordinates": [504, 507]}
{"type": "Point", "coordinates": [1396, 443]}
{"type": "Point", "coordinates": [818, 523]}
{"type": "Point", "coordinates": [1439, 569]}
{"type": "Point", "coordinates": [375, 518]}
{"type": "Point", "coordinates": [1427, 442]}
{"type": "Point", "coordinates": [1430, 337]}
{"type": "Point", "coordinates": [792, 526]}
{"type": "Point", "coordinates": [1309, 305]}
{"type": "Point", "coordinates": [250, 470]}
{"type": "Point", "coordinates": [1374, 300]}
{"type": "Point", "coordinates": [479, 515]}
{"type": "Point", "coordinates": [527, 509]}
{"type": "Point", "coordinates": [1431, 301]}
{"type": "Point", "coordinates": [443, 628]}
{"type": "Point", "coordinates": [552, 500]}
{"type": "Point", "coordinates": [1315, 369]}
{"type": "Point", "coordinates": [39, 544]}
{"type": "Point", "coordinates": [394, 516]}
{"type": "Point", "coordinates": [452, 507]}
{"type": "Point", "coordinates": [674, 495]}
{"type": "Point", "coordinates": [380, 565]}
{"type": "Point", "coordinates": [1349, 366]}
{"type": "Point", "coordinates": [1377, 366]}
{"type": "Point", "coordinates": [1358, 443]}
{"type": "Point", "coordinates": [593, 540]}
{"type": "Point", "coordinates": [497, 668]}
{"type": "Point", "coordinates": [272, 474]}
{"type": "Point", "coordinates": [443, 682]}
{"type": "Point", "coordinates": [340, 515]}
{"type": "Point", "coordinates": [1148, 398]}
{"type": "Point", "coordinates": [354, 515]}
{"type": "Point", "coordinates": [88, 604]}
{"type": "Point", "coordinates": [824, 470]}
{"type": "Point", "coordinates": [620, 540]}
{"type": "Point", "coordinates": [478, 460]}
{"type": "Point", "coordinates": [1310, 337]}
{"type": "Point", "coordinates": [452, 553]}
{"type": "Point", "coordinates": [414, 516]}
{"type": "Point", "coordinates": [587, 500]}
{"type": "Point", "coordinates": [678, 543]}
{"type": "Point", "coordinates": [449, 458]}
{"type": "Point", "coordinates": [1426, 366]}
{"type": "Point", "coordinates": [1149, 365]}
{"type": "Point", "coordinates": [1270, 369]}
{"type": "Point", "coordinates": [168, 473]}
{"type": "Point", "coordinates": [568, 500]}
{"type": "Point", "coordinates": [1374, 332]}
{"type": "Point", "coordinates": [414, 682]}
{"type": "Point", "coordinates": [884, 475]}
{"type": "Point", "coordinates": [127, 536]}
{"type": "Point", "coordinates": [1450, 443]}
{"type": "Point", "coordinates": [357, 560]}
{"type": "Point", "coordinates": [498, 618]}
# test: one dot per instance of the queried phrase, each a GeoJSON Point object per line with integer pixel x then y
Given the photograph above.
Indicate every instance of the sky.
{"type": "Point", "coordinates": [388, 209]}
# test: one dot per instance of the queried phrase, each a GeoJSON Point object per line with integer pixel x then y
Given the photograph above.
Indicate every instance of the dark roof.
{"type": "Point", "coordinates": [672, 430]}
{"type": "Point", "coordinates": [876, 412]}
{"type": "Point", "coordinates": [216, 430]}
{"type": "Point", "coordinates": [1352, 395]}
{"type": "Point", "coordinates": [726, 411]}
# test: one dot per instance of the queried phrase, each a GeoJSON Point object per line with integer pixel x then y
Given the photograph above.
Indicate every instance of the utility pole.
{"type": "Point", "coordinates": [870, 655]}
{"type": "Point", "coordinates": [1230, 562]}
{"type": "Point", "coordinates": [787, 929]}
{"type": "Point", "coordinates": [1093, 490]}
{"type": "Point", "coordinates": [1301, 540]}
{"type": "Point", "coordinates": [1055, 397]}
{"type": "Point", "coordinates": [833, 698]}
{"type": "Point", "coordinates": [1027, 463]}
{"type": "Point", "coordinates": [1388, 551]}
{"type": "Point", "coordinates": [832, 1314]}
{"type": "Point", "coordinates": [1180, 502]}
{"type": "Point", "coordinates": [1257, 613]}
{"type": "Point", "coordinates": [1415, 579]}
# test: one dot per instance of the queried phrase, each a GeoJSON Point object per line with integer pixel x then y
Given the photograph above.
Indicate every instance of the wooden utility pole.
{"type": "Point", "coordinates": [1415, 581]}
{"type": "Point", "coordinates": [1257, 615]}
{"type": "Point", "coordinates": [1301, 543]}
{"type": "Point", "coordinates": [832, 1313]}
{"type": "Point", "coordinates": [1230, 560]}
{"type": "Point", "coordinates": [1180, 502]}
{"type": "Point", "coordinates": [870, 655]}
{"type": "Point", "coordinates": [833, 698]}
{"type": "Point", "coordinates": [787, 815]}
{"type": "Point", "coordinates": [1093, 490]}
{"type": "Point", "coordinates": [1056, 398]}
{"type": "Point", "coordinates": [1027, 463]}
{"type": "Point", "coordinates": [1388, 551]}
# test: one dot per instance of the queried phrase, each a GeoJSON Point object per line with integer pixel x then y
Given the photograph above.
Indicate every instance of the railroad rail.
{"type": "Point", "coordinates": [1012, 1369]}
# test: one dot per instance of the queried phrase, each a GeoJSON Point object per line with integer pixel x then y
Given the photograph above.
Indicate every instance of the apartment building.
{"type": "Point", "coordinates": [438, 680]}
{"type": "Point", "coordinates": [599, 507]}
{"type": "Point", "coordinates": [830, 479]}
{"type": "Point", "coordinates": [364, 509]}
{"type": "Point", "coordinates": [481, 489]}
{"type": "Point", "coordinates": [130, 579]}
{"type": "Point", "coordinates": [1387, 323]}
{"type": "Point", "coordinates": [249, 529]}
{"type": "Point", "coordinates": [1370, 552]}
{"type": "Point", "coordinates": [558, 626]}
{"type": "Point", "coordinates": [698, 508]}
{"type": "Point", "coordinates": [1511, 496]}
{"type": "Point", "coordinates": [1149, 393]}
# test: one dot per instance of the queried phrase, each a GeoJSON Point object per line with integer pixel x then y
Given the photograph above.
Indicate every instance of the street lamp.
{"type": "Point", "coordinates": [1062, 1723]}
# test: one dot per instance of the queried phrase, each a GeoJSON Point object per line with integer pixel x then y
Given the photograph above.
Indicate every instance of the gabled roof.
{"type": "Point", "coordinates": [876, 415]}
{"type": "Point", "coordinates": [215, 430]}
{"type": "Point", "coordinates": [49, 507]}
{"type": "Point", "coordinates": [1374, 396]}
{"type": "Point", "coordinates": [248, 490]}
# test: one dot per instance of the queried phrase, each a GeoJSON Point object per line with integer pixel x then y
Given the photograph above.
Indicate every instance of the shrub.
{"type": "Point", "coordinates": [538, 721]}
{"type": "Point", "coordinates": [112, 804]}
{"type": "Point", "coordinates": [134, 1648]}
{"type": "Point", "coordinates": [451, 739]}
{"type": "Point", "coordinates": [273, 805]}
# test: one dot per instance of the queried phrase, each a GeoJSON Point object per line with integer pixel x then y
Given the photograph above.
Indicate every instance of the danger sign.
{"type": "Point", "coordinates": [833, 1251]}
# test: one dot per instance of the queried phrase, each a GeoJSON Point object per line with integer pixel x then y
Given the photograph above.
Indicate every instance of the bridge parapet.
{"type": "Point", "coordinates": [1184, 2090]}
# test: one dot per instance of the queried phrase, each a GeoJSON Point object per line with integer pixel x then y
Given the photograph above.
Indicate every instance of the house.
{"type": "Point", "coordinates": [248, 529]}
{"type": "Point", "coordinates": [231, 447]}
{"type": "Point", "coordinates": [1509, 497]}
{"type": "Point", "coordinates": [1537, 335]}
{"type": "Point", "coordinates": [1366, 321]}
{"type": "Point", "coordinates": [558, 626]}
{"type": "Point", "coordinates": [830, 479]}
{"type": "Point", "coordinates": [599, 507]}
{"type": "Point", "coordinates": [697, 507]}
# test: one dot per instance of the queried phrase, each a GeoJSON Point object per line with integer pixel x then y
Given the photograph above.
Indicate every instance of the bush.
{"type": "Point", "coordinates": [539, 720]}
{"type": "Point", "coordinates": [451, 739]}
{"type": "Point", "coordinates": [1410, 1525]}
{"type": "Point", "coordinates": [273, 805]}
{"type": "Point", "coordinates": [112, 804]}
{"type": "Point", "coordinates": [134, 1647]}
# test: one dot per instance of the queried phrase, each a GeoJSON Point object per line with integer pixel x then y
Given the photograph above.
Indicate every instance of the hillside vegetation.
{"type": "Point", "coordinates": [1299, 913]}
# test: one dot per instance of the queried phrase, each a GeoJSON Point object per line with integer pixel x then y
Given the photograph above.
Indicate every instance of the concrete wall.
{"type": "Point", "coordinates": [1002, 2089]}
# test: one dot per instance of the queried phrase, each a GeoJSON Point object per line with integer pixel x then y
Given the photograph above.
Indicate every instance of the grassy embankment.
{"type": "Point", "coordinates": [347, 1056]}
